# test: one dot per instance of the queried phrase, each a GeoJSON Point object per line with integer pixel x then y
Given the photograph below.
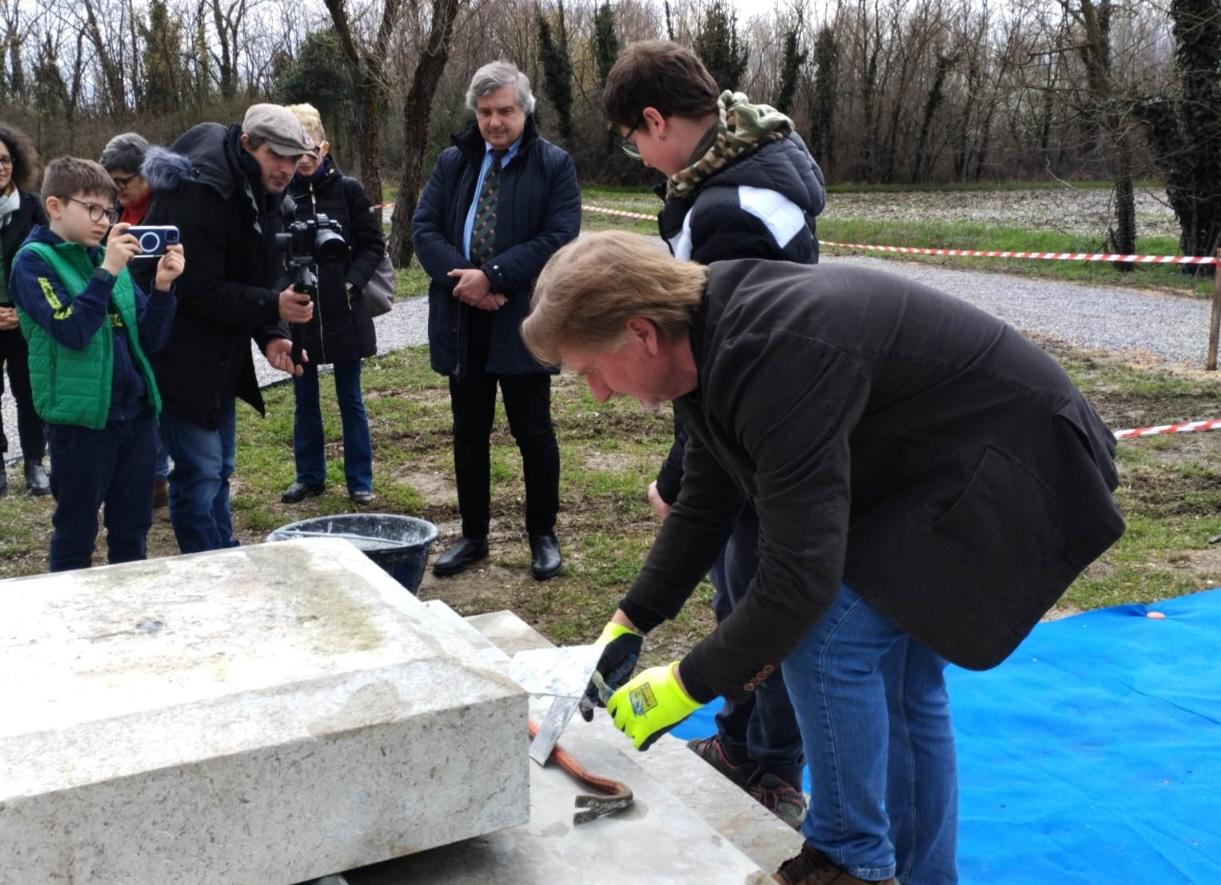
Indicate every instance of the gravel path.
{"type": "Point", "coordinates": [1172, 328]}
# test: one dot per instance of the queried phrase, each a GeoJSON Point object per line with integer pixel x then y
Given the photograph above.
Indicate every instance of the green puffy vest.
{"type": "Point", "coordinates": [73, 386]}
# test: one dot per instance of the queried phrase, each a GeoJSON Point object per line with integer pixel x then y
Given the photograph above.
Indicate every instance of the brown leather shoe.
{"type": "Point", "coordinates": [812, 867]}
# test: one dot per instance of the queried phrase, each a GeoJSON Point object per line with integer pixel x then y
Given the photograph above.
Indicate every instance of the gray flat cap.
{"type": "Point", "coordinates": [279, 127]}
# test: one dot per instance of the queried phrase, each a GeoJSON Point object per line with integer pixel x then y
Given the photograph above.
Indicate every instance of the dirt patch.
{"type": "Point", "coordinates": [610, 462]}
{"type": "Point", "coordinates": [437, 489]}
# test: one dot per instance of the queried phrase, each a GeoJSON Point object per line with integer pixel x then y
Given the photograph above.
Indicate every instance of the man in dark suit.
{"type": "Point", "coordinates": [928, 483]}
{"type": "Point", "coordinates": [499, 203]}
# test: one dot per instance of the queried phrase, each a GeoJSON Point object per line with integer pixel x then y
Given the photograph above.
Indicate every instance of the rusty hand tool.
{"type": "Point", "coordinates": [617, 796]}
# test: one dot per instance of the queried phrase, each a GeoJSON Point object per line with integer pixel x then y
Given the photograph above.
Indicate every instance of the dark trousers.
{"type": "Point", "coordinates": [764, 728]}
{"type": "Point", "coordinates": [110, 468]}
{"type": "Point", "coordinates": [15, 357]}
{"type": "Point", "coordinates": [527, 400]}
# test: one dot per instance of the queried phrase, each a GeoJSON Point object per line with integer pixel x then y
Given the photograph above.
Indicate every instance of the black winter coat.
{"type": "Point", "coordinates": [539, 210]}
{"type": "Point", "coordinates": [341, 329]}
{"type": "Point", "coordinates": [230, 289]}
{"type": "Point", "coordinates": [891, 438]}
{"type": "Point", "coordinates": [28, 214]}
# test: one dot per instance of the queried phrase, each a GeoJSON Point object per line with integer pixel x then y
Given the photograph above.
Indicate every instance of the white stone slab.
{"type": "Point", "coordinates": [266, 714]}
{"type": "Point", "coordinates": [724, 837]}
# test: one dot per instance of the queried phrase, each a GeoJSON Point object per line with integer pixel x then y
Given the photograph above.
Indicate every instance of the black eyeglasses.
{"type": "Point", "coordinates": [626, 146]}
{"type": "Point", "coordinates": [122, 181]}
{"type": "Point", "coordinates": [97, 211]}
{"type": "Point", "coordinates": [6, 162]}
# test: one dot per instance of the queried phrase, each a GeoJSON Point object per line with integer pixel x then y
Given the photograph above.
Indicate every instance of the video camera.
{"type": "Point", "coordinates": [305, 244]}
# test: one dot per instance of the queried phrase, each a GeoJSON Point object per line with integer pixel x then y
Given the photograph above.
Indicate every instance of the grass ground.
{"type": "Point", "coordinates": [946, 234]}
{"type": "Point", "coordinates": [1171, 494]}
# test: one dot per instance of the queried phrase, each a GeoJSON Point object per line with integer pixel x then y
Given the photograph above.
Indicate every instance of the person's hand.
{"type": "Point", "coordinates": [472, 286]}
{"type": "Point", "coordinates": [660, 507]}
{"type": "Point", "coordinates": [121, 247]}
{"type": "Point", "coordinates": [490, 302]}
{"type": "Point", "coordinates": [650, 705]}
{"type": "Point", "coordinates": [279, 353]}
{"type": "Point", "coordinates": [170, 267]}
{"type": "Point", "coordinates": [295, 307]}
{"type": "Point", "coordinates": [8, 319]}
{"type": "Point", "coordinates": [621, 644]}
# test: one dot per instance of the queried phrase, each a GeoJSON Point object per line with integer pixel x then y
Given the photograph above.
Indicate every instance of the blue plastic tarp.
{"type": "Point", "coordinates": [1093, 754]}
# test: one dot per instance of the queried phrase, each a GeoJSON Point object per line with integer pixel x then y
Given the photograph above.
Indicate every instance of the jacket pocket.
{"type": "Point", "coordinates": [1002, 550]}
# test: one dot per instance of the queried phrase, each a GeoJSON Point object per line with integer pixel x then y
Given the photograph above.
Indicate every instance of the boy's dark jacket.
{"type": "Point", "coordinates": [209, 187]}
{"type": "Point", "coordinates": [341, 329]}
{"type": "Point", "coordinates": [77, 320]}
{"type": "Point", "coordinates": [539, 211]}
{"type": "Point", "coordinates": [892, 438]}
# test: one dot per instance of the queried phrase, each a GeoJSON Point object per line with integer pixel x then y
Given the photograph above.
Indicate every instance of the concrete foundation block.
{"type": "Point", "coordinates": [267, 714]}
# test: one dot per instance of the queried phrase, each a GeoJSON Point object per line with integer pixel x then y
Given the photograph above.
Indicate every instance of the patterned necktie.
{"type": "Point", "coordinates": [483, 232]}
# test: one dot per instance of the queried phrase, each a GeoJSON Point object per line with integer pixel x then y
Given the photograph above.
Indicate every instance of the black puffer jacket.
{"type": "Point", "coordinates": [762, 206]}
{"type": "Point", "coordinates": [209, 187]}
{"type": "Point", "coordinates": [341, 329]}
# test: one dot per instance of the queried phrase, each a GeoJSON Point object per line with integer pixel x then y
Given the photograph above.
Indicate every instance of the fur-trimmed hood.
{"type": "Point", "coordinates": [205, 153]}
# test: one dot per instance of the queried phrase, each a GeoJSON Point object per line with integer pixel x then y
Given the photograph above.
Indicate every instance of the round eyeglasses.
{"type": "Point", "coordinates": [97, 211]}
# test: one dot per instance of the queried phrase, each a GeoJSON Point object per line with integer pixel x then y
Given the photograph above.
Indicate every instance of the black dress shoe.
{"type": "Point", "coordinates": [460, 557]}
{"type": "Point", "coordinates": [299, 491]}
{"type": "Point", "coordinates": [545, 556]}
{"type": "Point", "coordinates": [36, 478]}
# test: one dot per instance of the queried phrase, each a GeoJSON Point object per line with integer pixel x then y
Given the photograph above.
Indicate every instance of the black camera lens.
{"type": "Point", "coordinates": [329, 246]}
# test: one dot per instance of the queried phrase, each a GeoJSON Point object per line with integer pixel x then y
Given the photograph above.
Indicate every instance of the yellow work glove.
{"type": "Point", "coordinates": [650, 705]}
{"type": "Point", "coordinates": [620, 651]}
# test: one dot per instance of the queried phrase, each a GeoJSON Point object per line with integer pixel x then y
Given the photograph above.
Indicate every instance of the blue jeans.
{"type": "Point", "coordinates": [199, 482]}
{"type": "Point", "coordinates": [110, 468]}
{"type": "Point", "coordinates": [762, 729]}
{"type": "Point", "coordinates": [309, 439]}
{"type": "Point", "coordinates": [875, 719]}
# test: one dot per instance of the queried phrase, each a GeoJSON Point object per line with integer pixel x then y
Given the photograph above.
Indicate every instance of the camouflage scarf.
{"type": "Point", "coordinates": [743, 128]}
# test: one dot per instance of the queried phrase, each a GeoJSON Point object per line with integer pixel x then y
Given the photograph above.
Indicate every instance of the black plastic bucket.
{"type": "Point", "coordinates": [399, 544]}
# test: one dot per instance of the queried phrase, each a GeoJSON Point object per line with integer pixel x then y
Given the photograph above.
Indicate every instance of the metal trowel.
{"type": "Point", "coordinates": [562, 673]}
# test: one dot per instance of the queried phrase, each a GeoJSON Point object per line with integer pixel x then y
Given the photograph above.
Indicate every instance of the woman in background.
{"type": "Point", "coordinates": [20, 210]}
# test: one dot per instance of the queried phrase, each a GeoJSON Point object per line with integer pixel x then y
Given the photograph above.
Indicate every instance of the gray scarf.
{"type": "Point", "coordinates": [9, 203]}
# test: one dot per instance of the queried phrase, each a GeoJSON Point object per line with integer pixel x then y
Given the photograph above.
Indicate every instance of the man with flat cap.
{"type": "Point", "coordinates": [223, 187]}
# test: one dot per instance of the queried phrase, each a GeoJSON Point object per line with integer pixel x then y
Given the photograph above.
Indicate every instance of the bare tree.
{"type": "Point", "coordinates": [417, 111]}
{"type": "Point", "coordinates": [364, 60]}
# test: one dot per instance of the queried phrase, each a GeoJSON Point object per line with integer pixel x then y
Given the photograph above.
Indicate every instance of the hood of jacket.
{"type": "Point", "coordinates": [754, 146]}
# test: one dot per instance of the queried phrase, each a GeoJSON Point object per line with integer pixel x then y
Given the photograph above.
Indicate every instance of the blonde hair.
{"type": "Point", "coordinates": [311, 121]}
{"type": "Point", "coordinates": [590, 289]}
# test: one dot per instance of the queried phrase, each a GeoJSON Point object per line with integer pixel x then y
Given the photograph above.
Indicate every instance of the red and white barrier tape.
{"type": "Point", "coordinates": [1046, 256]}
{"type": "Point", "coordinates": [619, 212]}
{"type": "Point", "coordinates": [973, 253]}
{"type": "Point", "coordinates": [1182, 427]}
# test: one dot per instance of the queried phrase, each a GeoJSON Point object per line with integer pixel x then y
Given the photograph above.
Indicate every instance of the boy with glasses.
{"type": "Point", "coordinates": [89, 328]}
